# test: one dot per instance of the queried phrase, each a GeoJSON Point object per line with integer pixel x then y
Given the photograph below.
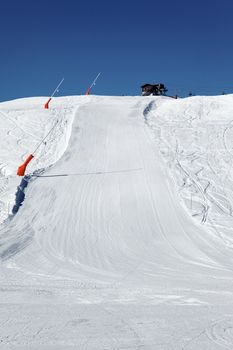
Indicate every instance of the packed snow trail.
{"type": "Point", "coordinates": [112, 219]}
{"type": "Point", "coordinates": [102, 254]}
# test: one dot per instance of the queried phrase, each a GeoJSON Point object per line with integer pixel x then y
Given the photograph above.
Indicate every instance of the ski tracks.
{"type": "Point", "coordinates": [20, 134]}
{"type": "Point", "coordinates": [201, 174]}
{"type": "Point", "coordinates": [221, 332]}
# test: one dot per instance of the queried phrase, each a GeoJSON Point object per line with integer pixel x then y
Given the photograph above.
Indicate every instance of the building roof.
{"type": "Point", "coordinates": [147, 85]}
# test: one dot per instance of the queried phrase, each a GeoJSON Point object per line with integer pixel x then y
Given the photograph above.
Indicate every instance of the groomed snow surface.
{"type": "Point", "coordinates": [124, 239]}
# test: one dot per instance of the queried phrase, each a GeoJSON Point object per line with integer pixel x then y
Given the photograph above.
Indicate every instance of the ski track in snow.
{"type": "Point", "coordinates": [196, 149]}
{"type": "Point", "coordinates": [20, 134]}
{"type": "Point", "coordinates": [135, 250]}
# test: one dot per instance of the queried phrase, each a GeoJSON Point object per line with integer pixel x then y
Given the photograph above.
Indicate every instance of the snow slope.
{"type": "Point", "coordinates": [125, 241]}
{"type": "Point", "coordinates": [23, 124]}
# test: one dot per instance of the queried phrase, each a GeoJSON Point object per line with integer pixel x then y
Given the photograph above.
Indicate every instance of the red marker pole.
{"type": "Point", "coordinates": [46, 106]}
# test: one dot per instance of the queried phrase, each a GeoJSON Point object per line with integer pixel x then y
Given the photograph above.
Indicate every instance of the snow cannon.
{"type": "Point", "coordinates": [88, 92]}
{"type": "Point", "coordinates": [22, 168]}
{"type": "Point", "coordinates": [46, 106]}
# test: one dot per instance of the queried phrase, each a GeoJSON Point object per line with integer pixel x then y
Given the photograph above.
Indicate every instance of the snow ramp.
{"type": "Point", "coordinates": [104, 244]}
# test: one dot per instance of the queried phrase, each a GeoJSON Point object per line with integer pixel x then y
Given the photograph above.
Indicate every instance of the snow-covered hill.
{"type": "Point", "coordinates": [124, 240]}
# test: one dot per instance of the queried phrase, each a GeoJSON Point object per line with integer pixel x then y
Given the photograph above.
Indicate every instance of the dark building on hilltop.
{"type": "Point", "coordinates": [153, 89]}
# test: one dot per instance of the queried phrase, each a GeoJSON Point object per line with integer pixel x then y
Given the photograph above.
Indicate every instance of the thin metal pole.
{"type": "Point", "coordinates": [45, 137]}
{"type": "Point", "coordinates": [95, 80]}
{"type": "Point", "coordinates": [57, 87]}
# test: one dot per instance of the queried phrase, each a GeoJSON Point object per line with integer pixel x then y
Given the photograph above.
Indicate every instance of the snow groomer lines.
{"type": "Point", "coordinates": [103, 253]}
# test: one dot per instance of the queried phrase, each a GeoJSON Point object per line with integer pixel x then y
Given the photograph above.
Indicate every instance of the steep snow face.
{"type": "Point", "coordinates": [107, 252]}
{"type": "Point", "coordinates": [23, 124]}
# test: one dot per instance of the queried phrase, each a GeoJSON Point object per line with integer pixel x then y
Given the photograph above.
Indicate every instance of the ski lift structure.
{"type": "Point", "coordinates": [153, 89]}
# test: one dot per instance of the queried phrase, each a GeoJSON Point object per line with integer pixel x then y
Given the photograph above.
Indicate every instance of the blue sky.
{"type": "Point", "coordinates": [185, 44]}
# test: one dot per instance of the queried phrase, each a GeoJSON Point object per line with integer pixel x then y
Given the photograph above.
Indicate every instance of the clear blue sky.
{"type": "Point", "coordinates": [185, 44]}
